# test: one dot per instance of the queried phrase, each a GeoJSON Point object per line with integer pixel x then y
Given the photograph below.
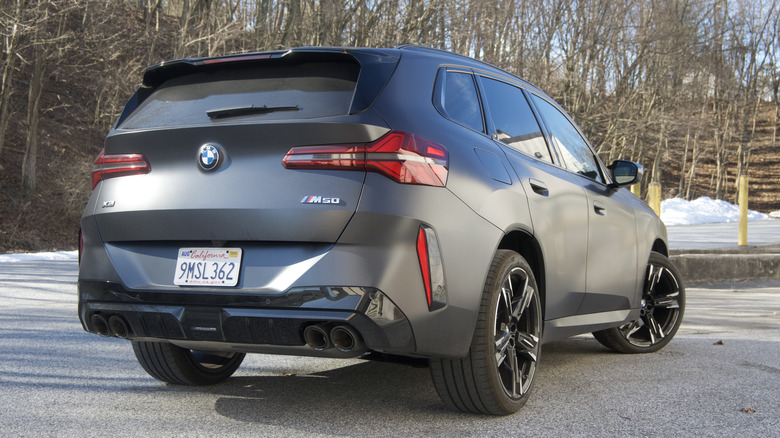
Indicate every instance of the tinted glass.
{"type": "Point", "coordinates": [575, 153]}
{"type": "Point", "coordinates": [318, 89]}
{"type": "Point", "coordinates": [459, 100]}
{"type": "Point", "coordinates": [513, 120]}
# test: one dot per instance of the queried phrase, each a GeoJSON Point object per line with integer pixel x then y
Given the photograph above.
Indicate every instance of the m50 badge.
{"type": "Point", "coordinates": [319, 200]}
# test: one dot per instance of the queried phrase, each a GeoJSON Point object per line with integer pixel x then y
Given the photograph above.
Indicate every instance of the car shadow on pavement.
{"type": "Point", "coordinates": [340, 399]}
{"type": "Point", "coordinates": [337, 397]}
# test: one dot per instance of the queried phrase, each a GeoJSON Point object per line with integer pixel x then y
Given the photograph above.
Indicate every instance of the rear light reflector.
{"type": "Point", "coordinates": [81, 244]}
{"type": "Point", "coordinates": [111, 166]}
{"type": "Point", "coordinates": [431, 268]}
{"type": "Point", "coordinates": [425, 267]}
{"type": "Point", "coordinates": [403, 157]}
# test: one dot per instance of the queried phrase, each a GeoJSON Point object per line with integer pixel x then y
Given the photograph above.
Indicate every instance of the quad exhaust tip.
{"type": "Point", "coordinates": [317, 337]}
{"type": "Point", "coordinates": [113, 326]}
{"type": "Point", "coordinates": [118, 327]}
{"type": "Point", "coordinates": [100, 324]}
{"type": "Point", "coordinates": [324, 336]}
{"type": "Point", "coordinates": [345, 338]}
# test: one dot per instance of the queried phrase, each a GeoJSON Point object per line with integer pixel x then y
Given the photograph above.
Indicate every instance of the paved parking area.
{"type": "Point", "coordinates": [719, 377]}
{"type": "Point", "coordinates": [723, 235]}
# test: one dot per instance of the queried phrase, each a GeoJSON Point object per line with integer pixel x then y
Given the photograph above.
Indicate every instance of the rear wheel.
{"type": "Point", "coordinates": [497, 375]}
{"type": "Point", "coordinates": [663, 304]}
{"type": "Point", "coordinates": [180, 366]}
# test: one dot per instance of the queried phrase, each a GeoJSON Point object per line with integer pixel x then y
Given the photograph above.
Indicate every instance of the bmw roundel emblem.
{"type": "Point", "coordinates": [209, 157]}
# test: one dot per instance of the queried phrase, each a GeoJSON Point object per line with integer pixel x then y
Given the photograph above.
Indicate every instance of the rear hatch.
{"type": "Point", "coordinates": [252, 110]}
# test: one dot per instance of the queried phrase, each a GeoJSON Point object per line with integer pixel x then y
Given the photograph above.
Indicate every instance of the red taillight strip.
{"type": "Point", "coordinates": [403, 157]}
{"type": "Point", "coordinates": [111, 166]}
{"type": "Point", "coordinates": [425, 267]}
{"type": "Point", "coordinates": [335, 157]}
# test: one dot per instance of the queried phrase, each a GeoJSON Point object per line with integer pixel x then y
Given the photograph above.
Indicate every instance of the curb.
{"type": "Point", "coordinates": [728, 265]}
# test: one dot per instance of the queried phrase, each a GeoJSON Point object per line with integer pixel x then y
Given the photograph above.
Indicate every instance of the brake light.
{"type": "Point", "coordinates": [403, 157]}
{"type": "Point", "coordinates": [111, 166]}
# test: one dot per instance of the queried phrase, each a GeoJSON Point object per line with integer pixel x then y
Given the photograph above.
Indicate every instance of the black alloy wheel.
{"type": "Point", "coordinates": [497, 375]}
{"type": "Point", "coordinates": [517, 334]}
{"type": "Point", "coordinates": [661, 312]}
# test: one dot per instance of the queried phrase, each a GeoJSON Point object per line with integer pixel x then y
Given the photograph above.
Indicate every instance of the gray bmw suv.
{"type": "Point", "coordinates": [342, 202]}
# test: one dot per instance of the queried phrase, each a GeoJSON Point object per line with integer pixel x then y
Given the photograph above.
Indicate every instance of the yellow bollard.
{"type": "Point", "coordinates": [743, 210]}
{"type": "Point", "coordinates": [654, 197]}
{"type": "Point", "coordinates": [636, 189]}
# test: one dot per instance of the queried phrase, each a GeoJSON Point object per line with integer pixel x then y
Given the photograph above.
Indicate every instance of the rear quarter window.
{"type": "Point", "coordinates": [514, 123]}
{"type": "Point", "coordinates": [457, 99]}
{"type": "Point", "coordinates": [319, 89]}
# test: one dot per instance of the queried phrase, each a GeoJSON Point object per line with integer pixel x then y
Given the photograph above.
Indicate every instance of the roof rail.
{"type": "Point", "coordinates": [434, 49]}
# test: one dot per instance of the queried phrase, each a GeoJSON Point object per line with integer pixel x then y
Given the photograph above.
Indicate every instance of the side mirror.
{"type": "Point", "coordinates": [625, 173]}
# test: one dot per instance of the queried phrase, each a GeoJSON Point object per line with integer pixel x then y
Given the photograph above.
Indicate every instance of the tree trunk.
{"type": "Point", "coordinates": [681, 185]}
{"type": "Point", "coordinates": [29, 174]}
{"type": "Point", "coordinates": [11, 47]}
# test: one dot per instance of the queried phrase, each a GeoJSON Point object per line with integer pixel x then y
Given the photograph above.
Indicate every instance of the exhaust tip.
{"type": "Point", "coordinates": [316, 337]}
{"type": "Point", "coordinates": [100, 324]}
{"type": "Point", "coordinates": [345, 338]}
{"type": "Point", "coordinates": [118, 326]}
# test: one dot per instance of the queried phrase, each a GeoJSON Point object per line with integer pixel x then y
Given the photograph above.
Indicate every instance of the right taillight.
{"type": "Point", "coordinates": [403, 157]}
{"type": "Point", "coordinates": [114, 165]}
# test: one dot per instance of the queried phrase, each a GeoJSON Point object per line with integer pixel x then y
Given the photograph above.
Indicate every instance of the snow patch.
{"type": "Point", "coordinates": [678, 211]}
{"type": "Point", "coordinates": [34, 257]}
{"type": "Point", "coordinates": [775, 214]}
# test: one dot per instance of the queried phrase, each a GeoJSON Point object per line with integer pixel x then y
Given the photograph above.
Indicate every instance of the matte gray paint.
{"type": "Point", "coordinates": [369, 241]}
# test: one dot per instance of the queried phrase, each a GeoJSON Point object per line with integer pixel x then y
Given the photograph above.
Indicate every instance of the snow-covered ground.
{"type": "Point", "coordinates": [56, 255]}
{"type": "Point", "coordinates": [678, 211]}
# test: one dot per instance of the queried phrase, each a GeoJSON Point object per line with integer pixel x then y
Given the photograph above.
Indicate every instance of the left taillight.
{"type": "Point", "coordinates": [403, 157]}
{"type": "Point", "coordinates": [114, 165]}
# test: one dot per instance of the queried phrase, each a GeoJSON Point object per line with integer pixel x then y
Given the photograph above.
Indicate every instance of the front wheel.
{"type": "Point", "coordinates": [180, 366]}
{"type": "Point", "coordinates": [497, 375]}
{"type": "Point", "coordinates": [662, 307]}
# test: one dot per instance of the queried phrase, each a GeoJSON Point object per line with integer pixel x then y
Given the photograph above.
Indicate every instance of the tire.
{"type": "Point", "coordinates": [663, 305]}
{"type": "Point", "coordinates": [497, 375]}
{"type": "Point", "coordinates": [180, 366]}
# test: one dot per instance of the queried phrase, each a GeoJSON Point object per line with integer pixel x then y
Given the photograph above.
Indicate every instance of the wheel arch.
{"type": "Point", "coordinates": [660, 247]}
{"type": "Point", "coordinates": [527, 246]}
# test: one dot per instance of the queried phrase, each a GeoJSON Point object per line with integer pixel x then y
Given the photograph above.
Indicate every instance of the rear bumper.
{"type": "Point", "coordinates": [249, 323]}
{"type": "Point", "coordinates": [376, 252]}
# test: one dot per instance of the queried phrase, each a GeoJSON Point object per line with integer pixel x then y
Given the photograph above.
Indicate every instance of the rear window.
{"type": "Point", "coordinates": [317, 89]}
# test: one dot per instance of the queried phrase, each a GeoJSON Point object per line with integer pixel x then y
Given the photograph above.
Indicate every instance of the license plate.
{"type": "Point", "coordinates": [207, 267]}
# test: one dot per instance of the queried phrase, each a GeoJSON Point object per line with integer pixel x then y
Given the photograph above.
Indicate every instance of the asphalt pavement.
{"type": "Point", "coordinates": [707, 253]}
{"type": "Point", "coordinates": [719, 377]}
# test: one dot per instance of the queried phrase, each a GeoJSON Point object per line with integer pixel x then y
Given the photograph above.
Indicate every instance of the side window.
{"type": "Point", "coordinates": [575, 153]}
{"type": "Point", "coordinates": [458, 99]}
{"type": "Point", "coordinates": [513, 120]}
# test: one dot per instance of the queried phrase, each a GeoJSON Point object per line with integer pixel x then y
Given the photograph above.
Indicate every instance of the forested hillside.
{"type": "Point", "coordinates": [689, 88]}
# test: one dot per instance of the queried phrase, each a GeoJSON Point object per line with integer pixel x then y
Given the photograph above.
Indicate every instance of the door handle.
{"type": "Point", "coordinates": [539, 187]}
{"type": "Point", "coordinates": [599, 208]}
